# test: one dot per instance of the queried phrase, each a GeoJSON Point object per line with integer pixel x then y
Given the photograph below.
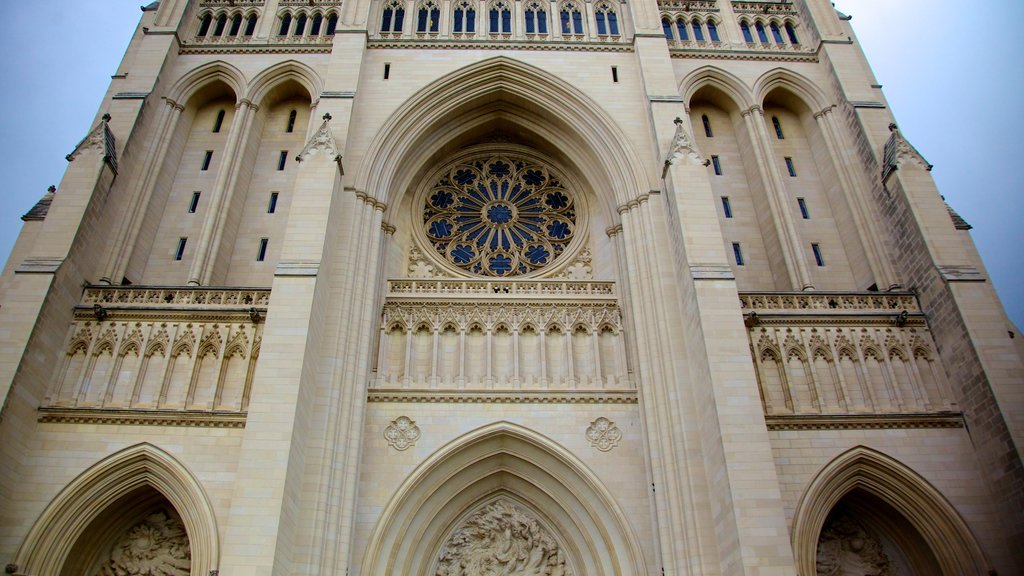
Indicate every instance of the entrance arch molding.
{"type": "Point", "coordinates": [935, 519]}
{"type": "Point", "coordinates": [503, 460]}
{"type": "Point", "coordinates": [54, 534]}
{"type": "Point", "coordinates": [411, 134]}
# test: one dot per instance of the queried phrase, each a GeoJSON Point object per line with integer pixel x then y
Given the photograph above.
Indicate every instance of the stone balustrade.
{"type": "Point", "coordinates": [503, 289]}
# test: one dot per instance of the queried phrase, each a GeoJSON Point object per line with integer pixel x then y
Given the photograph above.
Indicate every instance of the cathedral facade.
{"type": "Point", "coordinates": [518, 287]}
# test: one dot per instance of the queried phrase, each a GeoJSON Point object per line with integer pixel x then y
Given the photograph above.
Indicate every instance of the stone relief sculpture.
{"type": "Point", "coordinates": [683, 147]}
{"type": "Point", "coordinates": [603, 434]}
{"type": "Point", "coordinates": [402, 433]}
{"type": "Point", "coordinates": [845, 548]}
{"type": "Point", "coordinates": [157, 546]}
{"type": "Point", "coordinates": [501, 538]}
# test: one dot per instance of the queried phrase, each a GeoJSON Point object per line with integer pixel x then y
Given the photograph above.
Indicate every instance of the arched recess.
{"type": "Point", "coordinates": [804, 89]}
{"type": "Point", "coordinates": [715, 77]}
{"type": "Point", "coordinates": [265, 82]}
{"type": "Point", "coordinates": [922, 506]}
{"type": "Point", "coordinates": [503, 461]}
{"type": "Point", "coordinates": [53, 536]}
{"type": "Point", "coordinates": [197, 79]}
{"type": "Point", "coordinates": [506, 90]}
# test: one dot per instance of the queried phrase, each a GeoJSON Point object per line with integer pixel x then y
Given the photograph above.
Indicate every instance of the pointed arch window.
{"type": "Point", "coordinates": [666, 27]}
{"type": "Point", "coordinates": [536, 19]}
{"type": "Point", "coordinates": [791, 32]}
{"type": "Point", "coordinates": [682, 33]}
{"type": "Point", "coordinates": [318, 23]}
{"type": "Point", "coordinates": [332, 24]}
{"type": "Point", "coordinates": [428, 18]}
{"type": "Point", "coordinates": [713, 31]}
{"type": "Point", "coordinates": [286, 24]}
{"type": "Point", "coordinates": [698, 31]}
{"type": "Point", "coordinates": [778, 128]}
{"type": "Point", "coordinates": [747, 36]}
{"type": "Point", "coordinates": [464, 18]}
{"type": "Point", "coordinates": [300, 25]}
{"type": "Point", "coordinates": [222, 21]}
{"type": "Point", "coordinates": [250, 25]}
{"type": "Point", "coordinates": [761, 35]}
{"type": "Point", "coordinates": [236, 25]}
{"type": "Point", "coordinates": [204, 25]}
{"type": "Point", "coordinates": [500, 18]}
{"type": "Point", "coordinates": [393, 16]}
{"type": "Point", "coordinates": [607, 20]}
{"type": "Point", "coordinates": [776, 33]}
{"type": "Point", "coordinates": [572, 19]}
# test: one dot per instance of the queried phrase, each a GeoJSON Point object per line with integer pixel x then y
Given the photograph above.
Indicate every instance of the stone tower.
{"type": "Point", "coordinates": [525, 287]}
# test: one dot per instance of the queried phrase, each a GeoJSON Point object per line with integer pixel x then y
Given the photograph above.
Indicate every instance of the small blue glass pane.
{"type": "Point", "coordinates": [529, 22]}
{"type": "Point", "coordinates": [747, 37]}
{"type": "Point", "coordinates": [558, 229]}
{"type": "Point", "coordinates": [556, 200]}
{"type": "Point", "coordinates": [537, 255]}
{"type": "Point", "coordinates": [499, 214]}
{"type": "Point", "coordinates": [613, 23]}
{"type": "Point", "coordinates": [542, 22]}
{"type": "Point", "coordinates": [601, 28]}
{"type": "Point", "coordinates": [713, 31]}
{"type": "Point", "coordinates": [462, 254]}
{"type": "Point", "coordinates": [440, 229]}
{"type": "Point", "coordinates": [666, 27]}
{"type": "Point", "coordinates": [698, 32]}
{"type": "Point", "coordinates": [500, 264]}
{"type": "Point", "coordinates": [499, 169]}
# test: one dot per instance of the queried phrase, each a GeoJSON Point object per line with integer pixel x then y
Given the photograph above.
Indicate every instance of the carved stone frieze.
{"type": "Point", "coordinates": [603, 434]}
{"type": "Point", "coordinates": [845, 548]}
{"type": "Point", "coordinates": [593, 316]}
{"type": "Point", "coordinates": [683, 148]}
{"type": "Point", "coordinates": [156, 546]}
{"type": "Point", "coordinates": [502, 538]}
{"type": "Point", "coordinates": [402, 433]}
{"type": "Point", "coordinates": [322, 142]}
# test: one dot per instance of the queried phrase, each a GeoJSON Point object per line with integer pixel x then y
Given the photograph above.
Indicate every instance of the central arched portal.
{"type": "Point", "coordinates": [502, 496]}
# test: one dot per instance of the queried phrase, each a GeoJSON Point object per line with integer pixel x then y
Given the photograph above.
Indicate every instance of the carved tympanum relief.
{"type": "Point", "coordinates": [157, 546]}
{"type": "Point", "coordinates": [845, 548]}
{"type": "Point", "coordinates": [402, 433]}
{"type": "Point", "coordinates": [502, 538]}
{"type": "Point", "coordinates": [603, 434]}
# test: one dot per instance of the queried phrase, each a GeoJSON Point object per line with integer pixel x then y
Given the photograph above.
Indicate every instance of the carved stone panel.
{"type": "Point", "coordinates": [845, 548]}
{"type": "Point", "coordinates": [157, 546]}
{"type": "Point", "coordinates": [402, 433]}
{"type": "Point", "coordinates": [603, 434]}
{"type": "Point", "coordinates": [502, 538]}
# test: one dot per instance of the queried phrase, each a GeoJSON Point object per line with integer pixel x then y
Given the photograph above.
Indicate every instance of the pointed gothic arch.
{"type": "Point", "coordinates": [926, 510]}
{"type": "Point", "coordinates": [266, 81]}
{"type": "Point", "coordinates": [505, 90]}
{"type": "Point", "coordinates": [803, 89]}
{"type": "Point", "coordinates": [503, 461]}
{"type": "Point", "coordinates": [69, 514]}
{"type": "Point", "coordinates": [725, 82]}
{"type": "Point", "coordinates": [202, 76]}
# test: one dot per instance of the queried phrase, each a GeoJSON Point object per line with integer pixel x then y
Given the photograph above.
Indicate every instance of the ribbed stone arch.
{"type": "Point", "coordinates": [522, 95]}
{"type": "Point", "coordinates": [801, 87]}
{"type": "Point", "coordinates": [503, 460]}
{"type": "Point", "coordinates": [54, 534]}
{"type": "Point", "coordinates": [924, 507]}
{"type": "Point", "coordinates": [270, 78]}
{"type": "Point", "coordinates": [712, 76]}
{"type": "Point", "coordinates": [202, 76]}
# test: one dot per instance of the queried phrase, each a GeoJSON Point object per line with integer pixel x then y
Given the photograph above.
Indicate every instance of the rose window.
{"type": "Point", "coordinates": [499, 215]}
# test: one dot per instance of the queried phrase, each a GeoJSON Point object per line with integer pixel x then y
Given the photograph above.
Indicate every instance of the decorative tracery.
{"type": "Point", "coordinates": [499, 214]}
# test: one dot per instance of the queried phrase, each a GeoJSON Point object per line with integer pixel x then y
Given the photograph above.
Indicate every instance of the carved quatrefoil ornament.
{"type": "Point", "coordinates": [402, 433]}
{"type": "Point", "coordinates": [603, 434]}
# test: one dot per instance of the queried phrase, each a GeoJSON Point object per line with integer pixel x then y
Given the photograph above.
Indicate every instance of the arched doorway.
{"type": "Point", "coordinates": [867, 513]}
{"type": "Point", "coordinates": [505, 496]}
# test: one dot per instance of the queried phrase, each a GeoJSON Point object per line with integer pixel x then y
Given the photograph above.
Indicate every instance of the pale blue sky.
{"type": "Point", "coordinates": [955, 85]}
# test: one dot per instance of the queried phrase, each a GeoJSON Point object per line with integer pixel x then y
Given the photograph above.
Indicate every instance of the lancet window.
{"type": "Point", "coordinates": [536, 18]}
{"type": "Point", "coordinates": [500, 18]}
{"type": "Point", "coordinates": [392, 16]}
{"type": "Point", "coordinates": [464, 18]}
{"type": "Point", "coordinates": [428, 17]}
{"type": "Point", "coordinates": [571, 19]}
{"type": "Point", "coordinates": [607, 20]}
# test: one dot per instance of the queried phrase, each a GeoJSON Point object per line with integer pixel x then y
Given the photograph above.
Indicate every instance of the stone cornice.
{"type": "Point", "coordinates": [188, 418]}
{"type": "Point", "coordinates": [449, 44]}
{"type": "Point", "coordinates": [865, 421]}
{"type": "Point", "coordinates": [505, 397]}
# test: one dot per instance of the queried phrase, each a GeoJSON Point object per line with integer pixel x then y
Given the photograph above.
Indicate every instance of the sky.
{"type": "Point", "coordinates": [956, 92]}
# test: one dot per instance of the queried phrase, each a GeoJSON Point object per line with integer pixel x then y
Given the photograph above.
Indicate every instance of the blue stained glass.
{"type": "Point", "coordinates": [499, 169]}
{"type": "Point", "coordinates": [442, 199]}
{"type": "Point", "coordinates": [537, 254]}
{"type": "Point", "coordinates": [462, 254]}
{"type": "Point", "coordinates": [499, 214]}
{"type": "Point", "coordinates": [440, 229]}
{"type": "Point", "coordinates": [556, 200]}
{"type": "Point", "coordinates": [558, 229]}
{"type": "Point", "coordinates": [500, 264]}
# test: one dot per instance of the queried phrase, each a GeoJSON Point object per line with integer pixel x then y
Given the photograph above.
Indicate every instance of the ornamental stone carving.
{"type": "Point", "coordinates": [603, 434]}
{"type": "Point", "coordinates": [157, 546]}
{"type": "Point", "coordinates": [683, 147]}
{"type": "Point", "coordinates": [402, 433]}
{"type": "Point", "coordinates": [502, 538]}
{"type": "Point", "coordinates": [845, 548]}
{"type": "Point", "coordinates": [322, 142]}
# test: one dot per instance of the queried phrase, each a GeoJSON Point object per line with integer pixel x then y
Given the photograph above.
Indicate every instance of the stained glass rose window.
{"type": "Point", "coordinates": [499, 215]}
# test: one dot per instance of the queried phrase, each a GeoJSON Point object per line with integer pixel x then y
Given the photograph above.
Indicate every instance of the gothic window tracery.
{"type": "Point", "coordinates": [392, 16]}
{"type": "Point", "coordinates": [499, 214]}
{"type": "Point", "coordinates": [607, 20]}
{"type": "Point", "coordinates": [571, 18]}
{"type": "Point", "coordinates": [536, 18]}
{"type": "Point", "coordinates": [428, 17]}
{"type": "Point", "coordinates": [464, 18]}
{"type": "Point", "coordinates": [500, 18]}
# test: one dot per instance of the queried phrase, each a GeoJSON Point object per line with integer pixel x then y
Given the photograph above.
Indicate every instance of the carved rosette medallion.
{"type": "Point", "coordinates": [502, 538]}
{"type": "Point", "coordinates": [603, 434]}
{"type": "Point", "coordinates": [158, 545]}
{"type": "Point", "coordinates": [402, 433]}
